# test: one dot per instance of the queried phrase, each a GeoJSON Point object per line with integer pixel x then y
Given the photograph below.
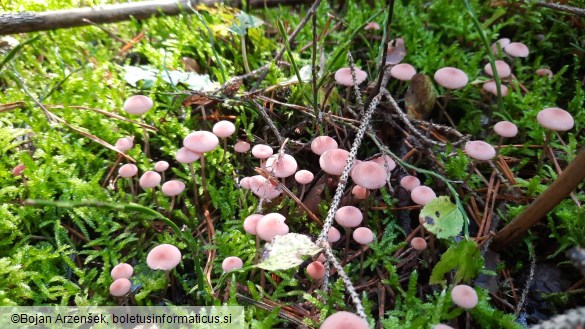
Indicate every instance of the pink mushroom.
{"type": "Point", "coordinates": [451, 78]}
{"type": "Point", "coordinates": [232, 263]}
{"type": "Point", "coordinates": [422, 195]}
{"type": "Point", "coordinates": [409, 182]}
{"type": "Point", "coordinates": [316, 270]}
{"type": "Point", "coordinates": [344, 320]}
{"type": "Point", "coordinates": [403, 71]}
{"type": "Point", "coordinates": [344, 78]}
{"type": "Point", "coordinates": [270, 226]}
{"type": "Point", "coordinates": [120, 287]}
{"type": "Point", "coordinates": [163, 257]}
{"type": "Point", "coordinates": [321, 144]}
{"type": "Point", "coordinates": [464, 296]}
{"type": "Point", "coordinates": [122, 270]}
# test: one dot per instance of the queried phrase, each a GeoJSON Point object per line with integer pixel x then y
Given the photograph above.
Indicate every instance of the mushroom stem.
{"type": "Point", "coordinates": [203, 180]}
{"type": "Point", "coordinates": [146, 144]}
{"type": "Point", "coordinates": [547, 138]}
{"type": "Point", "coordinates": [302, 192]}
{"type": "Point", "coordinates": [163, 177]}
{"type": "Point", "coordinates": [154, 198]}
{"type": "Point", "coordinates": [499, 145]}
{"type": "Point", "coordinates": [111, 172]}
{"type": "Point", "coordinates": [172, 204]}
{"type": "Point", "coordinates": [471, 170]}
{"type": "Point", "coordinates": [167, 280]}
{"type": "Point", "coordinates": [195, 190]}
{"type": "Point", "coordinates": [347, 234]}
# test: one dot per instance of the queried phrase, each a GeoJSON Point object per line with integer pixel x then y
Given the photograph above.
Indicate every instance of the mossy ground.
{"type": "Point", "coordinates": [60, 255]}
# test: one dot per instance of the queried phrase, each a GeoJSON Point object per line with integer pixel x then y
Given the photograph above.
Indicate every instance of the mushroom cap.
{"type": "Point", "coordinates": [281, 165]}
{"type": "Point", "coordinates": [128, 170]}
{"type": "Point", "coordinates": [480, 150]}
{"type": "Point", "coordinates": [372, 26]}
{"type": "Point", "coordinates": [422, 195]}
{"type": "Point", "coordinates": [184, 155]}
{"type": "Point", "coordinates": [333, 235]}
{"type": "Point", "coordinates": [333, 161]}
{"type": "Point", "coordinates": [263, 188]}
{"type": "Point", "coordinates": [544, 72]}
{"type": "Point", "coordinates": [200, 141]}
{"type": "Point", "coordinates": [344, 320]}
{"type": "Point", "coordinates": [464, 296]}
{"type": "Point", "coordinates": [403, 71]}
{"type": "Point", "coordinates": [409, 182]}
{"type": "Point", "coordinates": [363, 235]}
{"type": "Point", "coordinates": [250, 223]}
{"type": "Point", "coordinates": [138, 104]}
{"type": "Point", "coordinates": [271, 225]}
{"type": "Point", "coordinates": [369, 175]}
{"type": "Point", "coordinates": [506, 129]}
{"type": "Point", "coordinates": [451, 78]}
{"type": "Point", "coordinates": [492, 88]}
{"type": "Point", "coordinates": [19, 169]}
{"type": "Point", "coordinates": [516, 49]}
{"type": "Point", "coordinates": [360, 192]}
{"type": "Point", "coordinates": [120, 287]}
{"type": "Point", "coordinates": [348, 216]}
{"type": "Point", "coordinates": [501, 43]}
{"type": "Point", "coordinates": [173, 187]}
{"type": "Point", "coordinates": [556, 119]}
{"type": "Point", "coordinates": [502, 68]}
{"type": "Point", "coordinates": [343, 76]}
{"type": "Point", "coordinates": [163, 257]}
{"type": "Point", "coordinates": [149, 179]}
{"type": "Point", "coordinates": [124, 144]}
{"type": "Point", "coordinates": [245, 183]}
{"type": "Point", "coordinates": [323, 143]}
{"type": "Point", "coordinates": [232, 263]}
{"type": "Point", "coordinates": [385, 161]}
{"type": "Point", "coordinates": [316, 270]}
{"type": "Point", "coordinates": [262, 151]}
{"type": "Point", "coordinates": [161, 166]}
{"type": "Point", "coordinates": [122, 270]}
{"type": "Point", "coordinates": [304, 177]}
{"type": "Point", "coordinates": [418, 243]}
{"type": "Point", "coordinates": [223, 129]}
{"type": "Point", "coordinates": [242, 147]}
{"type": "Point", "coordinates": [442, 326]}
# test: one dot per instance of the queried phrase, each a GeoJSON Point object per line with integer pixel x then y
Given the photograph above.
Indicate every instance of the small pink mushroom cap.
{"type": "Point", "coordinates": [333, 235]}
{"type": "Point", "coordinates": [451, 78]}
{"type": "Point", "coordinates": [343, 76]}
{"type": "Point", "coordinates": [502, 68]}
{"type": "Point", "coordinates": [360, 192]}
{"type": "Point", "coordinates": [480, 150]}
{"type": "Point", "coordinates": [124, 144]}
{"type": "Point", "coordinates": [271, 225]}
{"type": "Point", "coordinates": [184, 155]}
{"type": "Point", "coordinates": [304, 177]}
{"type": "Point", "coordinates": [464, 296]}
{"type": "Point", "coordinates": [372, 26]}
{"type": "Point", "coordinates": [128, 170]}
{"type": "Point", "coordinates": [348, 216]}
{"type": "Point", "coordinates": [363, 235]}
{"type": "Point", "coordinates": [544, 72]}
{"type": "Point", "coordinates": [516, 49]}
{"type": "Point", "coordinates": [506, 129]}
{"type": "Point", "coordinates": [344, 320]}
{"type": "Point", "coordinates": [403, 71]}
{"type": "Point", "coordinates": [163, 257]}
{"type": "Point", "coordinates": [263, 188]}
{"type": "Point", "coordinates": [409, 182]}
{"type": "Point", "coordinates": [149, 179]}
{"type": "Point", "coordinates": [492, 88]}
{"type": "Point", "coordinates": [173, 187]}
{"type": "Point", "coordinates": [138, 104]}
{"type": "Point", "coordinates": [122, 270]}
{"type": "Point", "coordinates": [369, 175]}
{"type": "Point", "coordinates": [262, 151]}
{"type": "Point", "coordinates": [200, 141]}
{"type": "Point", "coordinates": [245, 183]}
{"type": "Point", "coordinates": [250, 223]}
{"type": "Point", "coordinates": [556, 119]}
{"type": "Point", "coordinates": [333, 161]}
{"type": "Point", "coordinates": [422, 195]}
{"type": "Point", "coordinates": [161, 166]}
{"type": "Point", "coordinates": [18, 170]}
{"type": "Point", "coordinates": [281, 166]}
{"type": "Point", "coordinates": [232, 263]}
{"type": "Point", "coordinates": [321, 144]}
{"type": "Point", "coordinates": [385, 161]}
{"type": "Point", "coordinates": [224, 129]}
{"type": "Point", "coordinates": [242, 147]}
{"type": "Point", "coordinates": [418, 243]}
{"type": "Point", "coordinates": [316, 270]}
{"type": "Point", "coordinates": [120, 287]}
{"type": "Point", "coordinates": [501, 43]}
